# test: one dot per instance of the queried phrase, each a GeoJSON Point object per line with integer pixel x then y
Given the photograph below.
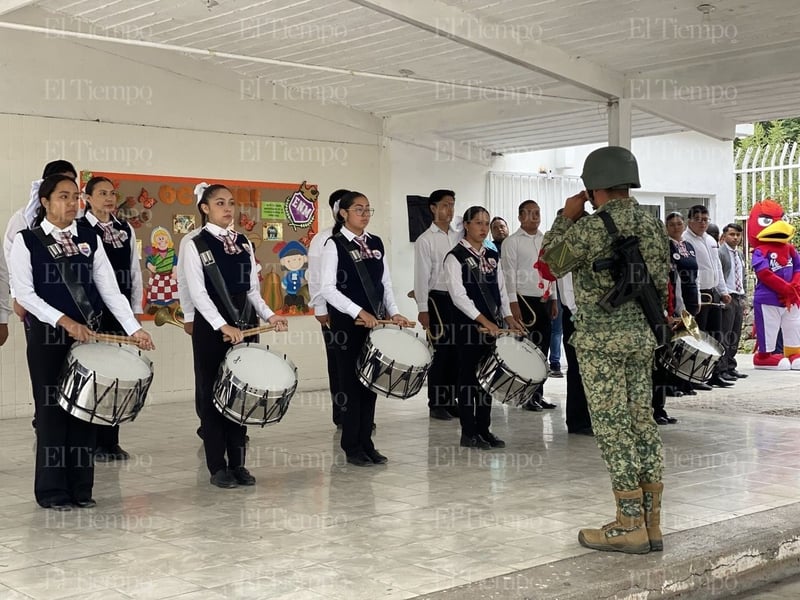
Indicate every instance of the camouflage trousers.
{"type": "Point", "coordinates": [619, 392]}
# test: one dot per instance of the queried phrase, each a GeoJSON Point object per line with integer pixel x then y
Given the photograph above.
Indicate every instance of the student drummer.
{"type": "Point", "coordinates": [64, 444]}
{"type": "Point", "coordinates": [215, 329]}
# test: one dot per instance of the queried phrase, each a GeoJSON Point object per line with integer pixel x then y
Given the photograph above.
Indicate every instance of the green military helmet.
{"type": "Point", "coordinates": [610, 167]}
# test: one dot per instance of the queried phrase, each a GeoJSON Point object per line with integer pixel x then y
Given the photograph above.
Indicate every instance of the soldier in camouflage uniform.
{"type": "Point", "coordinates": [615, 350]}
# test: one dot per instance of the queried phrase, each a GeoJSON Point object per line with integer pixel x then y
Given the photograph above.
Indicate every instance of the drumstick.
{"type": "Point", "coordinates": [502, 331]}
{"type": "Point", "coordinates": [114, 339]}
{"type": "Point", "coordinates": [253, 331]}
{"type": "Point", "coordinates": [387, 322]}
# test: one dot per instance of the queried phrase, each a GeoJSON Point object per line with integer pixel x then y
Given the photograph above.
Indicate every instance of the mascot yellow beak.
{"type": "Point", "coordinates": [779, 231]}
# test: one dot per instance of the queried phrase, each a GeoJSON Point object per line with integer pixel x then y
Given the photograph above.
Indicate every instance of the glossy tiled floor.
{"type": "Point", "coordinates": [435, 517]}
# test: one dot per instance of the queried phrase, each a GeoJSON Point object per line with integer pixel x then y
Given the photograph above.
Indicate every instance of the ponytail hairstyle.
{"type": "Point", "coordinates": [45, 191]}
{"type": "Point", "coordinates": [471, 213]}
{"type": "Point", "coordinates": [204, 196]}
{"type": "Point", "coordinates": [345, 202]}
{"type": "Point", "coordinates": [89, 188]}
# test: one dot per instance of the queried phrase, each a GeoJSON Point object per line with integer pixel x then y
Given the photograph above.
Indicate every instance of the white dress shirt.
{"type": "Point", "coordinates": [314, 272]}
{"type": "Point", "coordinates": [566, 291]}
{"type": "Point", "coordinates": [331, 295]}
{"type": "Point", "coordinates": [137, 287]}
{"type": "Point", "coordinates": [15, 224]}
{"type": "Point", "coordinates": [520, 253]}
{"type": "Point", "coordinates": [458, 293]}
{"type": "Point", "coordinates": [196, 285]}
{"type": "Point", "coordinates": [5, 305]}
{"type": "Point", "coordinates": [183, 290]}
{"type": "Point", "coordinates": [429, 251]}
{"type": "Point", "coordinates": [709, 267]}
{"type": "Point", "coordinates": [102, 273]}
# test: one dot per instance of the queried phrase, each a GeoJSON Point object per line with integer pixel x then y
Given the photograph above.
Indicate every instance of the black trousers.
{"type": "Point", "coordinates": [577, 408]}
{"type": "Point", "coordinates": [539, 332]}
{"type": "Point", "coordinates": [731, 327]}
{"type": "Point", "coordinates": [709, 320]}
{"type": "Point", "coordinates": [328, 338]}
{"type": "Point", "coordinates": [221, 436]}
{"type": "Point", "coordinates": [357, 402]}
{"type": "Point", "coordinates": [474, 404]}
{"type": "Point", "coordinates": [64, 444]}
{"type": "Point", "coordinates": [443, 373]}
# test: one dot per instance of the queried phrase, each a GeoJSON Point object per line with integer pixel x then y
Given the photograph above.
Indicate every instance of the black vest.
{"type": "Point", "coordinates": [235, 270]}
{"type": "Point", "coordinates": [347, 280]}
{"type": "Point", "coordinates": [489, 281]}
{"type": "Point", "coordinates": [47, 282]}
{"type": "Point", "coordinates": [120, 258]}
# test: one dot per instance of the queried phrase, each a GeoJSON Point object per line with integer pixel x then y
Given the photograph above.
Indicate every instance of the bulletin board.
{"type": "Point", "coordinates": [279, 219]}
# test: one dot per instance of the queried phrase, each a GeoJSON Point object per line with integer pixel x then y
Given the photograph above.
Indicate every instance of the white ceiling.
{"type": "Point", "coordinates": [502, 75]}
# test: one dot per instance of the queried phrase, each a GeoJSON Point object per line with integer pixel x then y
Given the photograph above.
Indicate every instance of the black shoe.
{"type": "Point", "coordinates": [223, 479]}
{"type": "Point", "coordinates": [726, 377]}
{"type": "Point", "coordinates": [736, 374]}
{"type": "Point", "coordinates": [689, 392]}
{"type": "Point", "coordinates": [475, 441]}
{"type": "Point", "coordinates": [545, 404]}
{"type": "Point", "coordinates": [376, 457]}
{"type": "Point", "coordinates": [532, 405]}
{"type": "Point", "coordinates": [359, 459]}
{"type": "Point", "coordinates": [441, 414]}
{"type": "Point", "coordinates": [671, 420]}
{"type": "Point", "coordinates": [90, 503]}
{"type": "Point", "coordinates": [661, 420]}
{"type": "Point", "coordinates": [703, 387]}
{"type": "Point", "coordinates": [59, 505]}
{"type": "Point", "coordinates": [242, 476]}
{"type": "Point", "coordinates": [492, 440]}
{"type": "Point", "coordinates": [555, 373]}
{"type": "Point", "coordinates": [583, 431]}
{"type": "Point", "coordinates": [719, 382]}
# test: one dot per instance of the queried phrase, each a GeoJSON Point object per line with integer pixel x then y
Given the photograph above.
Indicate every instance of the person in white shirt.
{"type": "Point", "coordinates": [64, 443]}
{"type": "Point", "coordinates": [736, 281]}
{"type": "Point", "coordinates": [710, 281]}
{"type": "Point", "coordinates": [532, 298]}
{"type": "Point", "coordinates": [119, 242]}
{"type": "Point", "coordinates": [349, 299]}
{"type": "Point", "coordinates": [434, 303]}
{"type": "Point", "coordinates": [5, 308]}
{"type": "Point", "coordinates": [476, 285]}
{"type": "Point", "coordinates": [214, 329]}
{"type": "Point", "coordinates": [320, 306]}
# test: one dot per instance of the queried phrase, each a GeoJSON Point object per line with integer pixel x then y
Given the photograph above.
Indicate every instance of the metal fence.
{"type": "Point", "coordinates": [505, 192]}
{"type": "Point", "coordinates": [771, 171]}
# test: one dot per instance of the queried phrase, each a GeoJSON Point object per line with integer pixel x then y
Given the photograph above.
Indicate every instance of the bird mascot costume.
{"type": "Point", "coordinates": [776, 300]}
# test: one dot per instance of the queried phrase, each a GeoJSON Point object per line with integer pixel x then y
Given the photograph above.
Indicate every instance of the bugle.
{"type": "Point", "coordinates": [167, 315]}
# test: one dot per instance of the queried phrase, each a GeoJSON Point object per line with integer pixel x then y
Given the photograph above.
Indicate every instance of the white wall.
{"type": "Point", "coordinates": [680, 164]}
{"type": "Point", "coordinates": [172, 124]}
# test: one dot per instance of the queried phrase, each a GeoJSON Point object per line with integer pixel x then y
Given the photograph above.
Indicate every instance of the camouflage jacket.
{"type": "Point", "coordinates": [575, 246]}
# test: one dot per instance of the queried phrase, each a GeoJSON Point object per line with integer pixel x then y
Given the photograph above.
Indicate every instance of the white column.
{"type": "Point", "coordinates": [619, 123]}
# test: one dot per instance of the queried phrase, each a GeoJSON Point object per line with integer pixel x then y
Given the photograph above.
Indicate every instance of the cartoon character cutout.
{"type": "Point", "coordinates": [293, 258]}
{"type": "Point", "coordinates": [162, 288]}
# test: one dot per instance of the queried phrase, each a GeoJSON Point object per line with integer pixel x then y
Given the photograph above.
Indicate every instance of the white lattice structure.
{"type": "Point", "coordinates": [507, 190]}
{"type": "Point", "coordinates": [768, 171]}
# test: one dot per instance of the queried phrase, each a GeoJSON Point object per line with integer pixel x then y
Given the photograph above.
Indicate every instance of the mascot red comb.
{"type": "Point", "coordinates": [776, 301]}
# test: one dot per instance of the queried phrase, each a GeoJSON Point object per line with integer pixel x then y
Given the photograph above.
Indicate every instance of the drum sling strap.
{"type": "Point", "coordinates": [354, 251]}
{"type": "Point", "coordinates": [465, 258]}
{"type": "Point", "coordinates": [74, 287]}
{"type": "Point", "coordinates": [211, 268]}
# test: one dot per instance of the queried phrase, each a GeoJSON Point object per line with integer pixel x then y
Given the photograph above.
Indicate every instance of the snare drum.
{"type": "Point", "coordinates": [394, 361]}
{"type": "Point", "coordinates": [691, 358]}
{"type": "Point", "coordinates": [513, 370]}
{"type": "Point", "coordinates": [254, 385]}
{"type": "Point", "coordinates": [104, 383]}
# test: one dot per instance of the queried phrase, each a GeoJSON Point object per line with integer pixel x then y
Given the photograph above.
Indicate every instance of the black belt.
{"type": "Point", "coordinates": [438, 294]}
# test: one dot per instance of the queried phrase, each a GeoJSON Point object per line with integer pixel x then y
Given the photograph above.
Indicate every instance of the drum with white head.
{"type": "Point", "coordinates": [104, 383]}
{"type": "Point", "coordinates": [255, 385]}
{"type": "Point", "coordinates": [691, 356]}
{"type": "Point", "coordinates": [513, 370]}
{"type": "Point", "coordinates": [394, 361]}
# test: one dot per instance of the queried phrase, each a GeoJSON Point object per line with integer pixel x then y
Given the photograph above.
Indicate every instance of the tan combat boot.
{"type": "Point", "coordinates": [651, 499]}
{"type": "Point", "coordinates": [627, 533]}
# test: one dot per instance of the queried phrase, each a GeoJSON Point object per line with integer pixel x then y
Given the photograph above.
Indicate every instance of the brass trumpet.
{"type": "Point", "coordinates": [169, 314]}
{"type": "Point", "coordinates": [709, 300]}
